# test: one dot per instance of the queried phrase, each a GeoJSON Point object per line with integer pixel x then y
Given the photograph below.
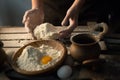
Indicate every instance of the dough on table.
{"type": "Point", "coordinates": [46, 31]}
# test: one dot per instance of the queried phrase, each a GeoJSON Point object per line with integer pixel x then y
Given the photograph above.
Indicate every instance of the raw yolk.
{"type": "Point", "coordinates": [46, 59]}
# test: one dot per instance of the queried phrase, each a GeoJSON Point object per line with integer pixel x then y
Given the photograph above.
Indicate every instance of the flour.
{"type": "Point", "coordinates": [46, 31]}
{"type": "Point", "coordinates": [29, 60]}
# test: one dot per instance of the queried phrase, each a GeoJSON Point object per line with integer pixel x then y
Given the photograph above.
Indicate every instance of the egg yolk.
{"type": "Point", "coordinates": [45, 59]}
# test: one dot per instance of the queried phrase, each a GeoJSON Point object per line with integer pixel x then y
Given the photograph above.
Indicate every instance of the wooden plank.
{"type": "Point", "coordinates": [78, 28]}
{"type": "Point", "coordinates": [24, 36]}
{"type": "Point", "coordinates": [90, 23]}
{"type": "Point", "coordinates": [22, 29]}
{"type": "Point", "coordinates": [10, 44]}
{"type": "Point", "coordinates": [12, 30]}
{"type": "Point", "coordinates": [82, 28]}
{"type": "Point", "coordinates": [16, 43]}
{"type": "Point", "coordinates": [14, 36]}
{"type": "Point", "coordinates": [10, 49]}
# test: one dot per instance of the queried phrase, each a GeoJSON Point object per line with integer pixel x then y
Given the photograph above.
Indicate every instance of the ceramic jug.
{"type": "Point", "coordinates": [85, 45]}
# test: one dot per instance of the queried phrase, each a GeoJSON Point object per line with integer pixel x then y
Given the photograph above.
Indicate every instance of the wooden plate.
{"type": "Point", "coordinates": [55, 44]}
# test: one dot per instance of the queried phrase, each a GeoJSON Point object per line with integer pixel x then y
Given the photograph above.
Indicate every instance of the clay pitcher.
{"type": "Point", "coordinates": [85, 45]}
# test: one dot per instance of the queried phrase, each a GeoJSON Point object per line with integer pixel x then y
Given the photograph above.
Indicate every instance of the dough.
{"type": "Point", "coordinates": [46, 31]}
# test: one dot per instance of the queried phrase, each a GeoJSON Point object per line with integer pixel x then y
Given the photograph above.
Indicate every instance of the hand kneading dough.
{"type": "Point", "coordinates": [46, 31]}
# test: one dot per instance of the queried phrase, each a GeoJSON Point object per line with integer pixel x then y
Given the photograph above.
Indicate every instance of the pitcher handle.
{"type": "Point", "coordinates": [104, 27]}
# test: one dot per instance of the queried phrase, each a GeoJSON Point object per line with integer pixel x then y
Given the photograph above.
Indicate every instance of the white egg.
{"type": "Point", "coordinates": [64, 72]}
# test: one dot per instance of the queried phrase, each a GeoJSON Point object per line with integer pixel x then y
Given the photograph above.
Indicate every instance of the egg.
{"type": "Point", "coordinates": [45, 59]}
{"type": "Point", "coordinates": [64, 72]}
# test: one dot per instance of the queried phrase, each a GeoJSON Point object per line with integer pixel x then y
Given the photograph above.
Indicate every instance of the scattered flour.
{"type": "Point", "coordinates": [29, 60]}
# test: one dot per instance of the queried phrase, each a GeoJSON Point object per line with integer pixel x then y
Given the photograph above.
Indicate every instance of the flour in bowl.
{"type": "Point", "coordinates": [30, 58]}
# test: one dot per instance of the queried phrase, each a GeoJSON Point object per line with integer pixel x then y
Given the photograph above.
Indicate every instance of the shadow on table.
{"type": "Point", "coordinates": [14, 75]}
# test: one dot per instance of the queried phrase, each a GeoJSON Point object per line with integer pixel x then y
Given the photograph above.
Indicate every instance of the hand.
{"type": "Point", "coordinates": [71, 18]}
{"type": "Point", "coordinates": [32, 18]}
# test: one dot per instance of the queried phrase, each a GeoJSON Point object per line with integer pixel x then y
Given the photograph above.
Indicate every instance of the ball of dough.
{"type": "Point", "coordinates": [46, 31]}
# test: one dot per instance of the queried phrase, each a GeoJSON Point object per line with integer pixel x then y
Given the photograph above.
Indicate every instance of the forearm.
{"type": "Point", "coordinates": [78, 3]}
{"type": "Point", "coordinates": [37, 4]}
{"type": "Point", "coordinates": [76, 7]}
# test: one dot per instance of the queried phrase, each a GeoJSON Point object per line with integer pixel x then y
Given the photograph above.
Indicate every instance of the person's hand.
{"type": "Point", "coordinates": [71, 18]}
{"type": "Point", "coordinates": [32, 18]}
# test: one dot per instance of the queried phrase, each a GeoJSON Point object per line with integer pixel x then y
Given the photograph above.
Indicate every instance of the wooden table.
{"type": "Point", "coordinates": [15, 37]}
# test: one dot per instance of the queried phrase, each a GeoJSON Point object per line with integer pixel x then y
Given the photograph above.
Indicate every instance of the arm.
{"type": "Point", "coordinates": [37, 4]}
{"type": "Point", "coordinates": [73, 11]}
{"type": "Point", "coordinates": [72, 17]}
{"type": "Point", "coordinates": [34, 16]}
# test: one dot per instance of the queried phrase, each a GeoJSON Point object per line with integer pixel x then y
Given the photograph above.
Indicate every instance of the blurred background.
{"type": "Point", "coordinates": [12, 11]}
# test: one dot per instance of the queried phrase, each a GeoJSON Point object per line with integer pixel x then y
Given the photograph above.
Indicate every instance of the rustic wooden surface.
{"type": "Point", "coordinates": [15, 37]}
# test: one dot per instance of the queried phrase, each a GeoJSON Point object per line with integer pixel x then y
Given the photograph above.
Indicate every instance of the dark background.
{"type": "Point", "coordinates": [12, 11]}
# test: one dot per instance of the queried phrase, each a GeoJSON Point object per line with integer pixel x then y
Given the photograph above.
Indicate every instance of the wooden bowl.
{"type": "Point", "coordinates": [55, 44]}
